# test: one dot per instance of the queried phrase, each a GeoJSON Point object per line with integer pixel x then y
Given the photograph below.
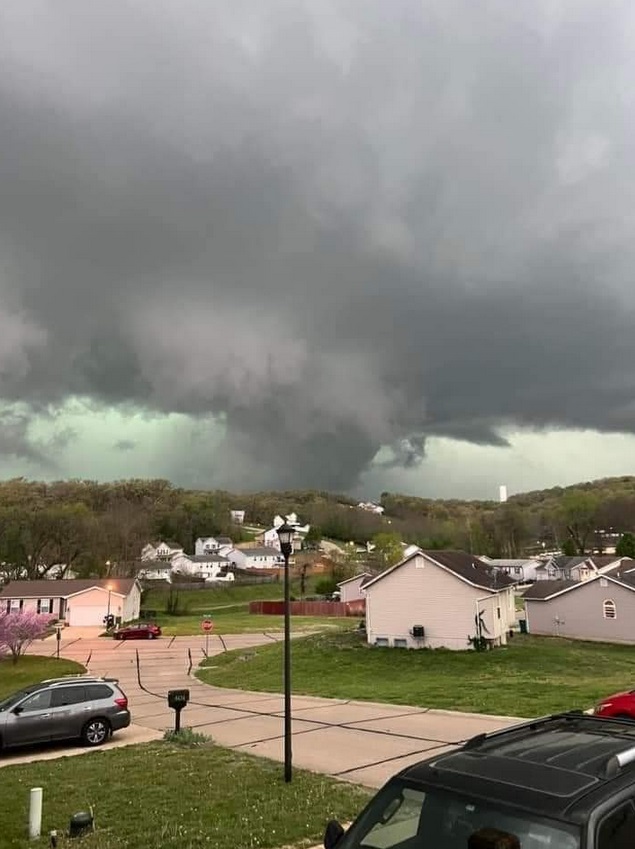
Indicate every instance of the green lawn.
{"type": "Point", "coordinates": [30, 669]}
{"type": "Point", "coordinates": [192, 601]}
{"type": "Point", "coordinates": [163, 795]}
{"type": "Point", "coordinates": [238, 620]}
{"type": "Point", "coordinates": [531, 677]}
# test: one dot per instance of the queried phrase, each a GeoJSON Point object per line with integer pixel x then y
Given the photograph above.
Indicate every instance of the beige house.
{"type": "Point", "coordinates": [75, 602]}
{"type": "Point", "coordinates": [439, 599]}
{"type": "Point", "coordinates": [599, 608]}
{"type": "Point", "coordinates": [351, 588]}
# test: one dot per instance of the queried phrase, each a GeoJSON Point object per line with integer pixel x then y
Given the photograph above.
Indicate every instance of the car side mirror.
{"type": "Point", "coordinates": [18, 710]}
{"type": "Point", "coordinates": [333, 834]}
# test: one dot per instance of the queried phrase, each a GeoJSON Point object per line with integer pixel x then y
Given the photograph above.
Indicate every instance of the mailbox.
{"type": "Point", "coordinates": [178, 699]}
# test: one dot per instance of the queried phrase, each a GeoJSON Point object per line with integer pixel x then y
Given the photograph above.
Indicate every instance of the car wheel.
{"type": "Point", "coordinates": [95, 732]}
{"type": "Point", "coordinates": [150, 635]}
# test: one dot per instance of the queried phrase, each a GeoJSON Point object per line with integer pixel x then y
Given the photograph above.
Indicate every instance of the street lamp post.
{"type": "Point", "coordinates": [285, 535]}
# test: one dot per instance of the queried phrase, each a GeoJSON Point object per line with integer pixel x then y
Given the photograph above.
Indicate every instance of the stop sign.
{"type": "Point", "coordinates": [207, 624]}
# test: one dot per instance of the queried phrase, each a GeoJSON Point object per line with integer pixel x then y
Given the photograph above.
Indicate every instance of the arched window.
{"type": "Point", "coordinates": [608, 607]}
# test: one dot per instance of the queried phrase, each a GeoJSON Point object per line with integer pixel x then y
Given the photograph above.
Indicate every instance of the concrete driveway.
{"type": "Point", "coordinates": [360, 741]}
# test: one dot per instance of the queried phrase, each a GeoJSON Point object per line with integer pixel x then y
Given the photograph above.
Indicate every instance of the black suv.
{"type": "Point", "coordinates": [561, 782]}
{"type": "Point", "coordinates": [77, 707]}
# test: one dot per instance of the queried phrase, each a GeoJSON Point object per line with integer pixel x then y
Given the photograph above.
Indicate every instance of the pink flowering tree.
{"type": "Point", "coordinates": [18, 630]}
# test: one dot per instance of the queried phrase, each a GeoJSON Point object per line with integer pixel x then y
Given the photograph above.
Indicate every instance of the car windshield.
{"type": "Point", "coordinates": [406, 817]}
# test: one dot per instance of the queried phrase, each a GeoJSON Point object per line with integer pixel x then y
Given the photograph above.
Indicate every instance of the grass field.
{"type": "Point", "coordinates": [30, 669]}
{"type": "Point", "coordinates": [228, 608]}
{"type": "Point", "coordinates": [206, 599]}
{"type": "Point", "coordinates": [164, 795]}
{"type": "Point", "coordinates": [238, 620]}
{"type": "Point", "coordinates": [531, 677]}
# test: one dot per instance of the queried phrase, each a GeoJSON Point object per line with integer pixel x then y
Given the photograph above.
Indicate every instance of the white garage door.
{"type": "Point", "coordinates": [86, 615]}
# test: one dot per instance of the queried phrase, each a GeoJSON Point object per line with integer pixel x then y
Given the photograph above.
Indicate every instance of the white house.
{"type": "Point", "coordinates": [352, 588]}
{"type": "Point", "coordinates": [199, 565]}
{"type": "Point", "coordinates": [80, 602]}
{"type": "Point", "coordinates": [161, 570]}
{"type": "Point", "coordinates": [439, 599]}
{"type": "Point", "coordinates": [237, 516]}
{"type": "Point", "coordinates": [519, 570]}
{"type": "Point", "coordinates": [369, 507]}
{"type": "Point", "coordinates": [255, 558]}
{"type": "Point", "coordinates": [206, 545]}
{"type": "Point", "coordinates": [161, 550]}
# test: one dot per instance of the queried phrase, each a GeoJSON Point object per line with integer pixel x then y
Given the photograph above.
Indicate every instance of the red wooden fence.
{"type": "Point", "coordinates": [310, 608]}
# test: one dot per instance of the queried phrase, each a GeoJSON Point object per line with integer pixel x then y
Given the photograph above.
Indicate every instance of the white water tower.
{"type": "Point", "coordinates": [502, 493]}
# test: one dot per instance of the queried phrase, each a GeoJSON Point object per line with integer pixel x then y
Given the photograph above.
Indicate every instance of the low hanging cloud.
{"type": "Point", "coordinates": [330, 226]}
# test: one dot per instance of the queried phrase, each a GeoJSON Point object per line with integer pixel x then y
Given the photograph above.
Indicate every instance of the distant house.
{"type": "Point", "coordinates": [255, 558]}
{"type": "Point", "coordinates": [160, 570]}
{"type": "Point", "coordinates": [161, 550]}
{"type": "Point", "coordinates": [369, 507]}
{"type": "Point", "coordinates": [439, 599]}
{"type": "Point", "coordinates": [210, 567]}
{"type": "Point", "coordinates": [237, 516]}
{"type": "Point", "coordinates": [207, 545]}
{"type": "Point", "coordinates": [270, 538]}
{"type": "Point", "coordinates": [578, 568]}
{"type": "Point", "coordinates": [599, 608]}
{"type": "Point", "coordinates": [519, 570]}
{"type": "Point", "coordinates": [79, 602]}
{"type": "Point", "coordinates": [351, 588]}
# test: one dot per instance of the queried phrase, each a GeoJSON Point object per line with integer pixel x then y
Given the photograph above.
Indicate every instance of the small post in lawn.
{"type": "Point", "coordinates": [35, 813]}
{"type": "Point", "coordinates": [207, 626]}
{"type": "Point", "coordinates": [58, 637]}
{"type": "Point", "coordinates": [177, 700]}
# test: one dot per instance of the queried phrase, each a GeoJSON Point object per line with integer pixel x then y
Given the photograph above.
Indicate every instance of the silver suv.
{"type": "Point", "coordinates": [75, 707]}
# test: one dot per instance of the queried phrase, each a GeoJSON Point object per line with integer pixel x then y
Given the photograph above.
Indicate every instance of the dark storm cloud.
{"type": "Point", "coordinates": [334, 225]}
{"type": "Point", "coordinates": [125, 445]}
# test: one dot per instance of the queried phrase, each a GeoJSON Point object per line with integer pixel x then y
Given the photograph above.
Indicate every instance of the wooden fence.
{"type": "Point", "coordinates": [310, 608]}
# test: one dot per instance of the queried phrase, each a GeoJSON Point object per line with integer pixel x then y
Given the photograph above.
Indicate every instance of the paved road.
{"type": "Point", "coordinates": [360, 741]}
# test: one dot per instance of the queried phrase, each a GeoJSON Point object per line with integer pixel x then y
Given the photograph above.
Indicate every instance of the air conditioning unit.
{"type": "Point", "coordinates": [418, 632]}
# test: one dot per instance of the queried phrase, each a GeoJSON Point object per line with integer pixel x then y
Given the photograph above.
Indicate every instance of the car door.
{"type": "Point", "coordinates": [68, 712]}
{"type": "Point", "coordinates": [28, 721]}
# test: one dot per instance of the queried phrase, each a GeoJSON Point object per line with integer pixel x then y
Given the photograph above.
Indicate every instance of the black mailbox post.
{"type": "Point", "coordinates": [177, 700]}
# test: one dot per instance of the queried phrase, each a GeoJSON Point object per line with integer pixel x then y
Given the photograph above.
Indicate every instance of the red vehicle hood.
{"type": "Point", "coordinates": [627, 694]}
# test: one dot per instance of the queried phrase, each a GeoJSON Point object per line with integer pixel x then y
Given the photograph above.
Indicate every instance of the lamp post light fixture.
{"type": "Point", "coordinates": [285, 535]}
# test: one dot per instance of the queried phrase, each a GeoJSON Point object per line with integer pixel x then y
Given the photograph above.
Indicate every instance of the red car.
{"type": "Point", "coordinates": [141, 631]}
{"type": "Point", "coordinates": [620, 705]}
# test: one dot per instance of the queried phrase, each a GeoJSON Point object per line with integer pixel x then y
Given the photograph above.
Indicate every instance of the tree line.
{"type": "Point", "coordinates": [93, 527]}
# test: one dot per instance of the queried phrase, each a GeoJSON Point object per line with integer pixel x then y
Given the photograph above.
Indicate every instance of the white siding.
{"type": "Point", "coordinates": [421, 593]}
{"type": "Point", "coordinates": [132, 604]}
{"type": "Point", "coordinates": [350, 590]}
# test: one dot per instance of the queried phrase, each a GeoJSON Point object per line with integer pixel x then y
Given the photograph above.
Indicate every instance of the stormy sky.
{"type": "Point", "coordinates": [318, 243]}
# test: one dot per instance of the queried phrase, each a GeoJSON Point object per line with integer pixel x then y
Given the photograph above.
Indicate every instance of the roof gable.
{"type": "Point", "coordinates": [65, 587]}
{"type": "Point", "coordinates": [466, 567]}
{"type": "Point", "coordinates": [355, 578]}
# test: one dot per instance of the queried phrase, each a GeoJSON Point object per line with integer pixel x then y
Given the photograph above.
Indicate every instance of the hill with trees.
{"type": "Point", "coordinates": [86, 525]}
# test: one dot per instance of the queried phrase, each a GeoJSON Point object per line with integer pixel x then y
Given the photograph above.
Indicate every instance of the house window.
{"type": "Point", "coordinates": [498, 612]}
{"type": "Point", "coordinates": [401, 643]}
{"type": "Point", "coordinates": [603, 582]}
{"type": "Point", "coordinates": [608, 607]}
{"type": "Point", "coordinates": [518, 570]}
{"type": "Point", "coordinates": [15, 605]}
{"type": "Point", "coordinates": [381, 641]}
{"type": "Point", "coordinates": [45, 605]}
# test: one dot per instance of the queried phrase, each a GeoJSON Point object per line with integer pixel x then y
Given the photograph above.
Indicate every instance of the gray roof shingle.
{"type": "Point", "coordinates": [64, 587]}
